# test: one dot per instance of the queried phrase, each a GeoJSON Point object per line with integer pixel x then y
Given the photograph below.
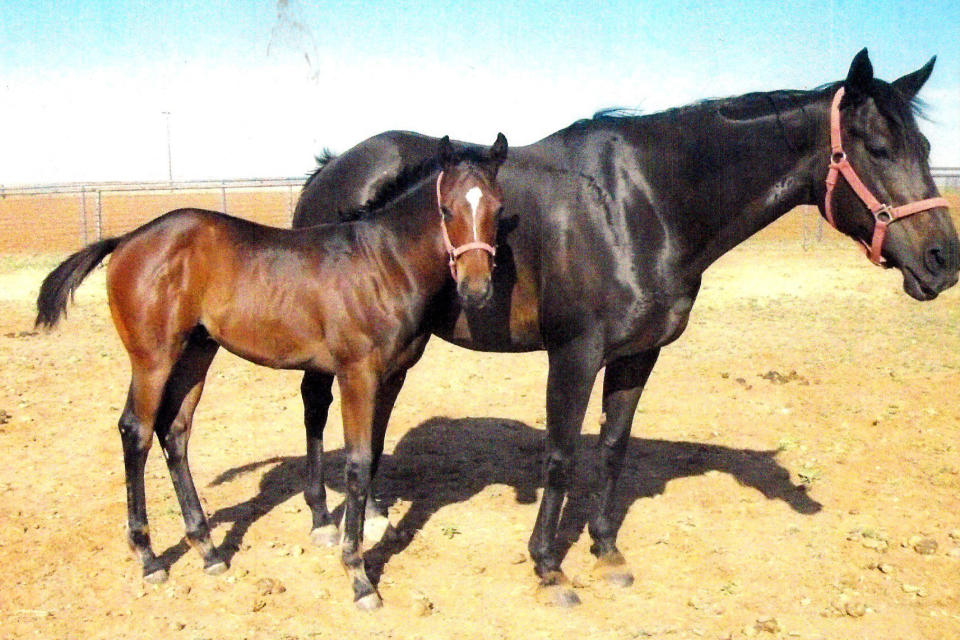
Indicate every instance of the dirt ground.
{"type": "Point", "coordinates": [793, 473]}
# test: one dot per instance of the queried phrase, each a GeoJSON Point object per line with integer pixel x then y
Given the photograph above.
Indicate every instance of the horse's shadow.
{"type": "Point", "coordinates": [444, 461]}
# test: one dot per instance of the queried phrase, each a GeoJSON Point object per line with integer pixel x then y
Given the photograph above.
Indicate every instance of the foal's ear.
{"type": "Point", "coordinates": [445, 153]}
{"type": "Point", "coordinates": [860, 77]}
{"type": "Point", "coordinates": [909, 85]}
{"type": "Point", "coordinates": [497, 154]}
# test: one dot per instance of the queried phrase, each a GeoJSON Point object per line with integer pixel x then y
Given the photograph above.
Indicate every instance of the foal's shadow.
{"type": "Point", "coordinates": [445, 461]}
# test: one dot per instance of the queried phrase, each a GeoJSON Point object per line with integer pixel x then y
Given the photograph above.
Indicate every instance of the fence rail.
{"type": "Point", "coordinates": [57, 217]}
{"type": "Point", "coordinates": [946, 177]}
{"type": "Point", "coordinates": [64, 217]}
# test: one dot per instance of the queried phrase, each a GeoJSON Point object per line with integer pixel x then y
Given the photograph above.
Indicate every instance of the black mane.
{"type": "Point", "coordinates": [761, 104]}
{"type": "Point", "coordinates": [325, 157]}
{"type": "Point", "coordinates": [405, 180]}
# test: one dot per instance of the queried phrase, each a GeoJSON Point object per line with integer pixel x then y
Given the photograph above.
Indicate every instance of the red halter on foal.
{"type": "Point", "coordinates": [884, 214]}
{"type": "Point", "coordinates": [456, 252]}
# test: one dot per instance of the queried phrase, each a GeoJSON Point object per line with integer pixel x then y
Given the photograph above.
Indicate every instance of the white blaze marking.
{"type": "Point", "coordinates": [474, 196]}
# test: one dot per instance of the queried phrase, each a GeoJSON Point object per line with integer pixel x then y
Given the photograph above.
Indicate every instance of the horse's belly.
{"type": "Point", "coordinates": [660, 325]}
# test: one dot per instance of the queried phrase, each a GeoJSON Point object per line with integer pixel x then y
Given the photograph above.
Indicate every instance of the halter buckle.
{"type": "Point", "coordinates": [884, 214]}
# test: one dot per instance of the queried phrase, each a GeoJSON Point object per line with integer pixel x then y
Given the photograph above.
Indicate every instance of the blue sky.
{"type": "Point", "coordinates": [257, 88]}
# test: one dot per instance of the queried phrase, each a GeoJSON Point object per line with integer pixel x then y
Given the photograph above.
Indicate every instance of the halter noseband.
{"type": "Point", "coordinates": [883, 214]}
{"type": "Point", "coordinates": [456, 252]}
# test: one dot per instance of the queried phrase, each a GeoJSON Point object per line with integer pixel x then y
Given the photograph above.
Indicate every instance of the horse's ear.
{"type": "Point", "coordinates": [498, 153]}
{"type": "Point", "coordinates": [445, 153]}
{"type": "Point", "coordinates": [860, 77]}
{"type": "Point", "coordinates": [910, 84]}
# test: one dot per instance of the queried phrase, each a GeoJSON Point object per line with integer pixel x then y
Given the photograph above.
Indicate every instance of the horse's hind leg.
{"type": "Point", "coordinates": [174, 420]}
{"type": "Point", "coordinates": [315, 390]}
{"type": "Point", "coordinates": [623, 383]}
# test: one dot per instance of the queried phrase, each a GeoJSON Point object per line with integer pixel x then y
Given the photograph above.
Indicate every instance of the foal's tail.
{"type": "Point", "coordinates": [60, 283]}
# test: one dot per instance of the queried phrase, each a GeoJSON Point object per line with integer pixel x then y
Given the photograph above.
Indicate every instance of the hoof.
{"type": "Point", "coordinates": [556, 590]}
{"type": "Point", "coordinates": [369, 602]}
{"type": "Point", "coordinates": [374, 529]}
{"type": "Point", "coordinates": [613, 569]}
{"type": "Point", "coordinates": [157, 577]}
{"type": "Point", "coordinates": [325, 536]}
{"type": "Point", "coordinates": [557, 596]}
{"type": "Point", "coordinates": [216, 568]}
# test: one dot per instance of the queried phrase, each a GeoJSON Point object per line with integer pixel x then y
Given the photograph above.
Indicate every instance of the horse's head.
{"type": "Point", "coordinates": [886, 198]}
{"type": "Point", "coordinates": [470, 203]}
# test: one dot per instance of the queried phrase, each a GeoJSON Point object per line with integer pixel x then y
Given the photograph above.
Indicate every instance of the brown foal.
{"type": "Point", "coordinates": [351, 301]}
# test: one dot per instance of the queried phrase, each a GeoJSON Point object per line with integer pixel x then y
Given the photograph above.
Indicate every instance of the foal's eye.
{"type": "Point", "coordinates": [445, 213]}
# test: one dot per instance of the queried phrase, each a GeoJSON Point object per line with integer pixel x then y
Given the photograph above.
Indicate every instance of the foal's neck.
{"type": "Point", "coordinates": [408, 230]}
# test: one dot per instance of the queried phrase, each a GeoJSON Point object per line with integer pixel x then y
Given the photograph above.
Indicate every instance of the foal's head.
{"type": "Point", "coordinates": [897, 213]}
{"type": "Point", "coordinates": [470, 203]}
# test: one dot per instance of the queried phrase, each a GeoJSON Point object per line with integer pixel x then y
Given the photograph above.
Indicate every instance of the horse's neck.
{"type": "Point", "coordinates": [766, 167]}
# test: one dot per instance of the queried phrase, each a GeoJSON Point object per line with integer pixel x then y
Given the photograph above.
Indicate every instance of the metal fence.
{"type": "Point", "coordinates": [63, 217]}
{"type": "Point", "coordinates": [947, 178]}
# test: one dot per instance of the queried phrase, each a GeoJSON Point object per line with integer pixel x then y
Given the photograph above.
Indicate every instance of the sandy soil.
{"type": "Point", "coordinates": [792, 473]}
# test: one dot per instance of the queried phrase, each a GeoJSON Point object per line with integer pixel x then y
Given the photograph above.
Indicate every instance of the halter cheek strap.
{"type": "Point", "coordinates": [456, 252]}
{"type": "Point", "coordinates": [883, 214]}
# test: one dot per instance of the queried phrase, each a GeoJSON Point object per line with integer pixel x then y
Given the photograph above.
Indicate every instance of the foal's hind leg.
{"type": "Point", "coordinates": [137, 436]}
{"type": "Point", "coordinates": [174, 421]}
{"type": "Point", "coordinates": [623, 383]}
{"type": "Point", "coordinates": [315, 390]}
{"type": "Point", "coordinates": [148, 377]}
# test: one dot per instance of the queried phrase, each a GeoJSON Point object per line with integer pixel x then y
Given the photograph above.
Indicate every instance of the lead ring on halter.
{"type": "Point", "coordinates": [883, 214]}
{"type": "Point", "coordinates": [456, 252]}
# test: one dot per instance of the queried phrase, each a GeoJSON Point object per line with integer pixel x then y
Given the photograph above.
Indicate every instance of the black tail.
{"type": "Point", "coordinates": [60, 284]}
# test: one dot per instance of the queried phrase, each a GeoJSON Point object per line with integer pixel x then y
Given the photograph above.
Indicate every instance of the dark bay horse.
{"type": "Point", "coordinates": [343, 300]}
{"type": "Point", "coordinates": [610, 223]}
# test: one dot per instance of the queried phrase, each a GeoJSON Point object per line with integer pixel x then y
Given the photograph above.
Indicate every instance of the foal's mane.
{"type": "Point", "coordinates": [407, 180]}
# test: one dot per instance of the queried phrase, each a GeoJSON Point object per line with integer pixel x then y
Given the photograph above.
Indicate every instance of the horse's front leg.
{"type": "Point", "coordinates": [573, 370]}
{"type": "Point", "coordinates": [358, 392]}
{"type": "Point", "coordinates": [623, 383]}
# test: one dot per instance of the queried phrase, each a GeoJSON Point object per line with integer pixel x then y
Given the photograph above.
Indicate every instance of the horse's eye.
{"type": "Point", "coordinates": [445, 213]}
{"type": "Point", "coordinates": [877, 151]}
{"type": "Point", "coordinates": [499, 211]}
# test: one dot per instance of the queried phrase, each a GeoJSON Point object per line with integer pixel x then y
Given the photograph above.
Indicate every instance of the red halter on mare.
{"type": "Point", "coordinates": [884, 214]}
{"type": "Point", "coordinates": [456, 252]}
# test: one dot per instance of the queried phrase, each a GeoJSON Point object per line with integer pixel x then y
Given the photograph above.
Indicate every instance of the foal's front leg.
{"type": "Point", "coordinates": [358, 391]}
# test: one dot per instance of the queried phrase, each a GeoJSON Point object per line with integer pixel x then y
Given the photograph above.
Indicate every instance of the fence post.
{"type": "Point", "coordinates": [223, 195]}
{"type": "Point", "coordinates": [99, 215]}
{"type": "Point", "coordinates": [83, 215]}
{"type": "Point", "coordinates": [290, 204]}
